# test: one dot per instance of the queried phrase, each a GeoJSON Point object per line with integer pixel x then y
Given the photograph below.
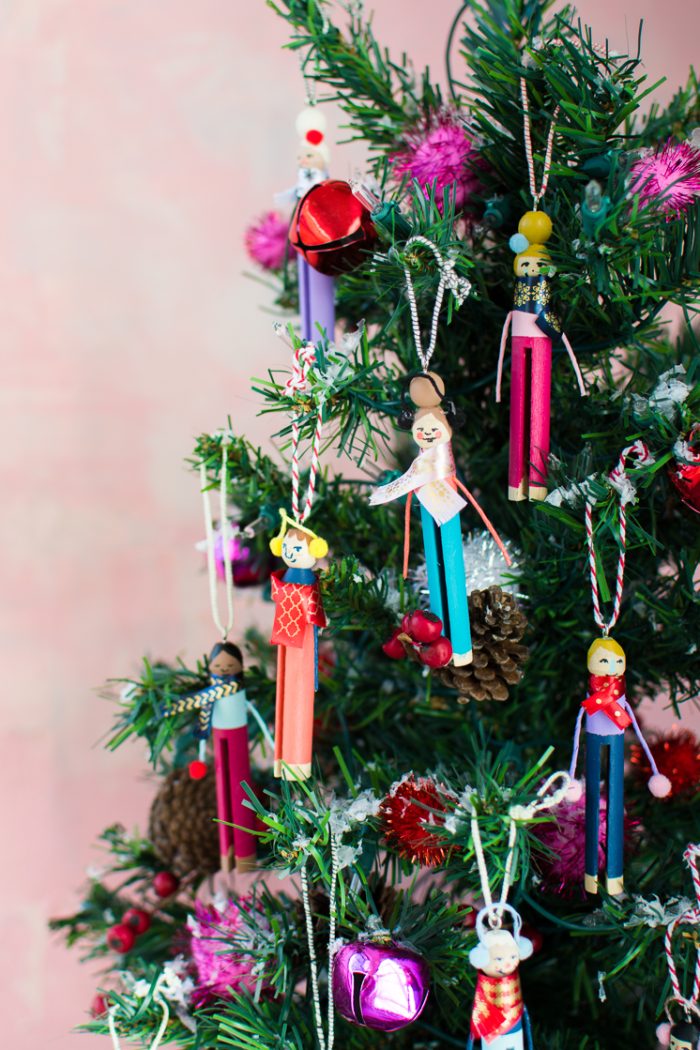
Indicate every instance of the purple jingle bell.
{"type": "Point", "coordinates": [379, 986]}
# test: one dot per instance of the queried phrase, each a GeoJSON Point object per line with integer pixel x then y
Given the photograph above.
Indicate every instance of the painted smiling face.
{"type": "Point", "coordinates": [606, 657]}
{"type": "Point", "coordinates": [503, 954]}
{"type": "Point", "coordinates": [430, 430]}
{"type": "Point", "coordinates": [295, 550]}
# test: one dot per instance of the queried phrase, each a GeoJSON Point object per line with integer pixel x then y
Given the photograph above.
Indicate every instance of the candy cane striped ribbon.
{"type": "Point", "coordinates": [298, 383]}
{"type": "Point", "coordinates": [691, 855]}
{"type": "Point", "coordinates": [619, 480]}
{"type": "Point", "coordinates": [692, 917]}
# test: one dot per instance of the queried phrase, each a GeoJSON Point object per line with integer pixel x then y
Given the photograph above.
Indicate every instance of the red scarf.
{"type": "Point", "coordinates": [498, 1005]}
{"type": "Point", "coordinates": [604, 692]}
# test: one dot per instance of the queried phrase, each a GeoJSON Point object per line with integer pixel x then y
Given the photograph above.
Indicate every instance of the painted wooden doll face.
{"type": "Point", "coordinates": [532, 266]}
{"type": "Point", "coordinates": [295, 551]}
{"type": "Point", "coordinates": [225, 664]}
{"type": "Point", "coordinates": [504, 958]}
{"type": "Point", "coordinates": [606, 661]}
{"type": "Point", "coordinates": [684, 1040]}
{"type": "Point", "coordinates": [429, 430]}
{"type": "Point", "coordinates": [309, 157]}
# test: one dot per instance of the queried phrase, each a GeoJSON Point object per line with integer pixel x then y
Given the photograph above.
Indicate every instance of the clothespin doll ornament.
{"type": "Point", "coordinates": [221, 707]}
{"type": "Point", "coordinates": [433, 478]}
{"type": "Point", "coordinates": [299, 611]}
{"type": "Point", "coordinates": [608, 713]}
{"type": "Point", "coordinates": [533, 327]}
{"type": "Point", "coordinates": [499, 1019]}
{"type": "Point", "coordinates": [685, 1034]}
{"type": "Point", "coordinates": [299, 616]}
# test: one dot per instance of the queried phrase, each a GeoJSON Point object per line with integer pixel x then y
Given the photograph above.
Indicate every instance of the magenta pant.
{"type": "Point", "coordinates": [232, 768]}
{"type": "Point", "coordinates": [531, 380]}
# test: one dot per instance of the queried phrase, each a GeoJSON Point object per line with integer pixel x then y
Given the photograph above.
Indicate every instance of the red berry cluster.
{"type": "Point", "coordinates": [422, 633]}
{"type": "Point", "coordinates": [135, 921]}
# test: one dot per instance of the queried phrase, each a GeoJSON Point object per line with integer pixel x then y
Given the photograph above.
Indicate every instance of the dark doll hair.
{"type": "Point", "coordinates": [689, 1033]}
{"type": "Point", "coordinates": [454, 415]}
{"type": "Point", "coordinates": [229, 648]}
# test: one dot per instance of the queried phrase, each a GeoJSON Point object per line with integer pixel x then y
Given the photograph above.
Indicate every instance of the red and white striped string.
{"type": "Point", "coordinates": [690, 917]}
{"type": "Point", "coordinates": [620, 481]}
{"type": "Point", "coordinates": [298, 383]}
{"type": "Point", "coordinates": [537, 195]}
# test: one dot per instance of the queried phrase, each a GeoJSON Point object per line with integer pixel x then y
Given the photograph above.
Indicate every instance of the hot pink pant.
{"type": "Point", "coordinates": [531, 380]}
{"type": "Point", "coordinates": [232, 768]}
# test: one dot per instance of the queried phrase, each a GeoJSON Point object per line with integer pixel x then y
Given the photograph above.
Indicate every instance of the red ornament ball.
{"type": "Point", "coordinates": [197, 769]}
{"type": "Point", "coordinates": [407, 814]}
{"type": "Point", "coordinates": [99, 1006]}
{"type": "Point", "coordinates": [137, 920]}
{"type": "Point", "coordinates": [685, 472]}
{"type": "Point", "coordinates": [165, 883]}
{"type": "Point", "coordinates": [121, 938]}
{"type": "Point", "coordinates": [678, 757]}
{"type": "Point", "coordinates": [331, 228]}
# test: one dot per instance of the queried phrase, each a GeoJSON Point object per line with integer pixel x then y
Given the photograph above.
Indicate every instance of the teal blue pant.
{"type": "Point", "coordinates": [447, 580]}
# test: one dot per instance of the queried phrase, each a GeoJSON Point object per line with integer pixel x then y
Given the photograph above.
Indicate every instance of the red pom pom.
{"type": "Point", "coordinates": [165, 883]}
{"type": "Point", "coordinates": [678, 757]}
{"type": "Point", "coordinates": [408, 812]}
{"type": "Point", "coordinates": [99, 1005]}
{"type": "Point", "coordinates": [137, 920]}
{"type": "Point", "coordinates": [121, 938]}
{"type": "Point", "coordinates": [314, 136]}
{"type": "Point", "coordinates": [197, 769]}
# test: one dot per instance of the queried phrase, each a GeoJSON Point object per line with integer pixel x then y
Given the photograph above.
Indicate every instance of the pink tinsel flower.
{"type": "Point", "coordinates": [668, 179]}
{"type": "Point", "coordinates": [440, 153]}
{"type": "Point", "coordinates": [222, 948]}
{"type": "Point", "coordinates": [267, 241]}
{"type": "Point", "coordinates": [561, 871]}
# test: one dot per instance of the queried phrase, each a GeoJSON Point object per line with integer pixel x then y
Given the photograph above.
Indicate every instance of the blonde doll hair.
{"type": "Point", "coordinates": [605, 643]}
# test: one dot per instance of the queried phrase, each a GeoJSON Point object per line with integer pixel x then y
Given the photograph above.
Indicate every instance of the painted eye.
{"type": "Point", "coordinates": [603, 659]}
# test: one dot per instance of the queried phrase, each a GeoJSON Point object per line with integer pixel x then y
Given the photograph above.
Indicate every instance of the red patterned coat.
{"type": "Point", "coordinates": [297, 607]}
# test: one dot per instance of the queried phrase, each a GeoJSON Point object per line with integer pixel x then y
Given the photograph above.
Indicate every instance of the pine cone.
{"type": "Point", "coordinates": [497, 624]}
{"type": "Point", "coordinates": [182, 824]}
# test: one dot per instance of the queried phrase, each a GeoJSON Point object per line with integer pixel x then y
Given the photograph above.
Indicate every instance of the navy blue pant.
{"type": "Point", "coordinates": [614, 831]}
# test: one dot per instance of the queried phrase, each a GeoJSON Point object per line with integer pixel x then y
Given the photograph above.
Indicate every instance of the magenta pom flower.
{"type": "Point", "coordinates": [668, 179]}
{"type": "Point", "coordinates": [223, 948]}
{"type": "Point", "coordinates": [267, 241]}
{"type": "Point", "coordinates": [440, 153]}
{"type": "Point", "coordinates": [561, 871]}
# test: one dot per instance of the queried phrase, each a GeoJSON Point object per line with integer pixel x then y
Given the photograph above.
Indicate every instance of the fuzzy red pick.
{"type": "Point", "coordinates": [678, 757]}
{"type": "Point", "coordinates": [406, 814]}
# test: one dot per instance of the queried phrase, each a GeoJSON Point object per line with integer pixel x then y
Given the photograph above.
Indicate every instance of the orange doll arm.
{"type": "Point", "coordinates": [485, 520]}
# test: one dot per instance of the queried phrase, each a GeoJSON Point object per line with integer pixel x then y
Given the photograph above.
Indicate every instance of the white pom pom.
{"type": "Point", "coordinates": [659, 785]}
{"type": "Point", "coordinates": [574, 792]}
{"type": "Point", "coordinates": [310, 119]}
{"type": "Point", "coordinates": [663, 1033]}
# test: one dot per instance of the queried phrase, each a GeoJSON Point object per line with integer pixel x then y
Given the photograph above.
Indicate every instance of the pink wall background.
{"type": "Point", "coordinates": [136, 142]}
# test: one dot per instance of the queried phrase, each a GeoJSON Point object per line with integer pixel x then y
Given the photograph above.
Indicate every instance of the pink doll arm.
{"type": "Point", "coordinates": [577, 740]}
{"type": "Point", "coordinates": [501, 354]}
{"type": "Point", "coordinates": [574, 363]}
{"type": "Point", "coordinates": [658, 784]}
{"type": "Point", "coordinates": [485, 520]}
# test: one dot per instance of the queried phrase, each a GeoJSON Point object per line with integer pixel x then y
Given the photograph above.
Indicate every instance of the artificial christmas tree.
{"type": "Point", "coordinates": [623, 196]}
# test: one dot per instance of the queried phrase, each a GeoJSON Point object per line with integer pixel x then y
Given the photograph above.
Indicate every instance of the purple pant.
{"type": "Point", "coordinates": [531, 380]}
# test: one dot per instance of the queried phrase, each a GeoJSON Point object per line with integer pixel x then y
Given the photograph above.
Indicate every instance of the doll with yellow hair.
{"type": "Point", "coordinates": [608, 714]}
{"type": "Point", "coordinates": [298, 617]}
{"type": "Point", "coordinates": [533, 326]}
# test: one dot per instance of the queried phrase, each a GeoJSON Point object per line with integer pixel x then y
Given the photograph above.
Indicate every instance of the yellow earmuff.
{"type": "Point", "coordinates": [276, 545]}
{"type": "Point", "coordinates": [318, 548]}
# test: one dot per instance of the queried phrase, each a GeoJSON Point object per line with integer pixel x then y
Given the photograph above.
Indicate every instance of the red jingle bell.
{"type": "Point", "coordinates": [331, 228]}
{"type": "Point", "coordinates": [685, 474]}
